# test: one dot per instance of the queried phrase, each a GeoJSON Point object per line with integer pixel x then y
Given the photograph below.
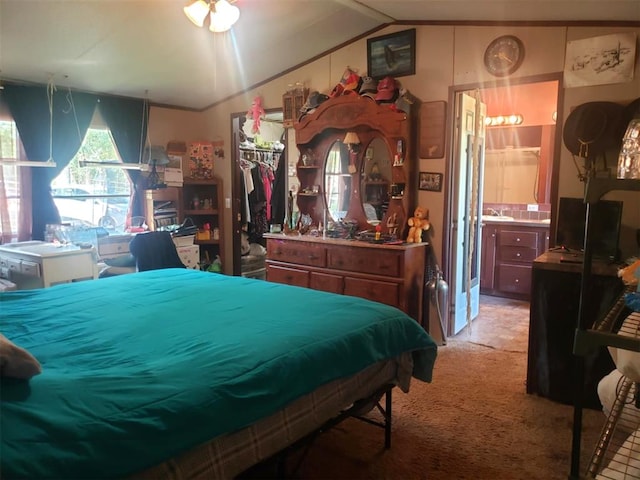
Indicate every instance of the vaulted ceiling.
{"type": "Point", "coordinates": [149, 49]}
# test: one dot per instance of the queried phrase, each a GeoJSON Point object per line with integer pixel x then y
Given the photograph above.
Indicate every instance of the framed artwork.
{"type": "Point", "coordinates": [392, 55]}
{"type": "Point", "coordinates": [600, 60]}
{"type": "Point", "coordinates": [430, 181]}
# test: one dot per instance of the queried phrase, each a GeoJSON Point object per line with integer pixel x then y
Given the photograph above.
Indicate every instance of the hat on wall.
{"type": "Point", "coordinates": [387, 90]}
{"type": "Point", "coordinates": [592, 128]}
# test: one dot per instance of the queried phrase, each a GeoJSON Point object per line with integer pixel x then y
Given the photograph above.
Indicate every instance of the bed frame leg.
{"type": "Point", "coordinates": [387, 419]}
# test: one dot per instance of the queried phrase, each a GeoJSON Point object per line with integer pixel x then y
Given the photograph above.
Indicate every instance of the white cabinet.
{"type": "Point", "coordinates": [39, 264]}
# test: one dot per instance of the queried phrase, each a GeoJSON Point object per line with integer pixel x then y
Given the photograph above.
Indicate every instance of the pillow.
{"type": "Point", "coordinates": [16, 362]}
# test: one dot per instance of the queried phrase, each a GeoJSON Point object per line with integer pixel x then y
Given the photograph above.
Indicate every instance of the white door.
{"type": "Point", "coordinates": [467, 212]}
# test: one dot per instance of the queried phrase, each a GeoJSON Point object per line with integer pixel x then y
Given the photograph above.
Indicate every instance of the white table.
{"type": "Point", "coordinates": [39, 264]}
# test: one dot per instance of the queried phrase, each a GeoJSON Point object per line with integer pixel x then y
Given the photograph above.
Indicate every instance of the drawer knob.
{"type": "Point", "coordinates": [517, 239]}
{"type": "Point", "coordinates": [517, 280]}
{"type": "Point", "coordinates": [518, 254]}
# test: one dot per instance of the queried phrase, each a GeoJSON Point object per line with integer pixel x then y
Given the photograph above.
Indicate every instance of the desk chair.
{"type": "Point", "coordinates": [154, 251]}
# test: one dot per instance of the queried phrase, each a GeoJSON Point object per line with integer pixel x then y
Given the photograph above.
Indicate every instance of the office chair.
{"type": "Point", "coordinates": [154, 251]}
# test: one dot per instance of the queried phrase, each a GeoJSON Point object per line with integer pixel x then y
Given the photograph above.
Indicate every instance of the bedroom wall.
{"type": "Point", "coordinates": [446, 56]}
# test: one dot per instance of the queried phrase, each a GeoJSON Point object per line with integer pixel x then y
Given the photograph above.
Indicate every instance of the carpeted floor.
{"type": "Point", "coordinates": [474, 421]}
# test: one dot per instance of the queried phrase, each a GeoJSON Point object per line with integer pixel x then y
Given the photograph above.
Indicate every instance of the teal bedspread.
{"type": "Point", "coordinates": [138, 368]}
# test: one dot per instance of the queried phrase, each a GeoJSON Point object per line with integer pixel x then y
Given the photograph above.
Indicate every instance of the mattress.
{"type": "Point", "coordinates": [144, 367]}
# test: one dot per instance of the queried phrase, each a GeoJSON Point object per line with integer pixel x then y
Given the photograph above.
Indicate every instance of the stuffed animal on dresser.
{"type": "Point", "coordinates": [418, 224]}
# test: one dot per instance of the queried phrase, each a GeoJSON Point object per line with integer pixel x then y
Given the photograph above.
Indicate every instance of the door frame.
{"type": "Point", "coordinates": [447, 264]}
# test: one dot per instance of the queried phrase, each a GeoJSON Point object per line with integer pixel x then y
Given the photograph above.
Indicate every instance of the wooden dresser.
{"type": "Point", "coordinates": [390, 274]}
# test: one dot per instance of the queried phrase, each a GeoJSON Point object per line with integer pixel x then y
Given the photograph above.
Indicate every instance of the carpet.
{"type": "Point", "coordinates": [474, 421]}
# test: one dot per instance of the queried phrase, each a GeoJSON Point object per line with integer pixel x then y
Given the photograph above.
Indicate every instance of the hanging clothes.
{"type": "Point", "coordinates": [279, 193]}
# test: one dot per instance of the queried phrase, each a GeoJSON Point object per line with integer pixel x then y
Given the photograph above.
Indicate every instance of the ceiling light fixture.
{"type": "Point", "coordinates": [222, 15]}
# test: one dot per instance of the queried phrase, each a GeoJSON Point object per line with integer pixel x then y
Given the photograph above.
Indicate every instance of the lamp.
{"type": "Point", "coordinates": [352, 141]}
{"type": "Point", "coordinates": [155, 156]}
{"type": "Point", "coordinates": [222, 15]}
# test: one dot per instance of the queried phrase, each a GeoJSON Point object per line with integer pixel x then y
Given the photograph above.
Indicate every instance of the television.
{"type": "Point", "coordinates": [605, 217]}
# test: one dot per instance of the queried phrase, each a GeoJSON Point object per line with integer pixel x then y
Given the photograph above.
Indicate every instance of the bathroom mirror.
{"type": "Point", "coordinates": [337, 181]}
{"type": "Point", "coordinates": [375, 180]}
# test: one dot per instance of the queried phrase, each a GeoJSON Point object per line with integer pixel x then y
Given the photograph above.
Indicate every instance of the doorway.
{"type": "Point", "coordinates": [537, 100]}
{"type": "Point", "coordinates": [253, 213]}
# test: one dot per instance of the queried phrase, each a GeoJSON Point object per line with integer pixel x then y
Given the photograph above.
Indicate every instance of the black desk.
{"type": "Point", "coordinates": [555, 296]}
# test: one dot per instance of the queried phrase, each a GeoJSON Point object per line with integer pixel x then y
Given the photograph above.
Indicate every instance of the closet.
{"type": "Point", "coordinates": [258, 189]}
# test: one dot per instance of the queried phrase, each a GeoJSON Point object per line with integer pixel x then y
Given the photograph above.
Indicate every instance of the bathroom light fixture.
{"type": "Point", "coordinates": [504, 120]}
{"type": "Point", "coordinates": [222, 15]}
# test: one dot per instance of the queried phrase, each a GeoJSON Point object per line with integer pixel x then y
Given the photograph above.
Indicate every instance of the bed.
{"type": "Point", "coordinates": [179, 373]}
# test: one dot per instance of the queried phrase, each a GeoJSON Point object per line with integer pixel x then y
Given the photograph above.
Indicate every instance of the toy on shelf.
{"type": "Point", "coordinates": [418, 223]}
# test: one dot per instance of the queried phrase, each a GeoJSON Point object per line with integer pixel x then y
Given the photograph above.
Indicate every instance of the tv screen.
{"type": "Point", "coordinates": [605, 217]}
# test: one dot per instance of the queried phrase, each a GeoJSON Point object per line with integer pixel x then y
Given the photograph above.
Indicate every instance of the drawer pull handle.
{"type": "Point", "coordinates": [313, 257]}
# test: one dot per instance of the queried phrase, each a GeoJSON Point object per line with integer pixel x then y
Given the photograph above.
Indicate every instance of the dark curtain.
{"type": "Point", "coordinates": [36, 109]}
{"type": "Point", "coordinates": [127, 118]}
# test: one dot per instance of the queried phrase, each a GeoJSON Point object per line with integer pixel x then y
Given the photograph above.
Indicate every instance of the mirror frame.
{"type": "Point", "coordinates": [319, 130]}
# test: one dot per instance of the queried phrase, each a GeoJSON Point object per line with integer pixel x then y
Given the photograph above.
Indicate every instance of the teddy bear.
{"type": "Point", "coordinates": [418, 223]}
{"type": "Point", "coordinates": [630, 274]}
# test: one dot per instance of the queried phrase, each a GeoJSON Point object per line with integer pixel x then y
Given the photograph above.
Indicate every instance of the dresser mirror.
{"type": "Point", "coordinates": [375, 180]}
{"type": "Point", "coordinates": [357, 179]}
{"type": "Point", "coordinates": [337, 181]}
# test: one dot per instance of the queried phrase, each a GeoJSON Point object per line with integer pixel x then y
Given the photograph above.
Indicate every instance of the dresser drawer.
{"type": "Point", "coordinates": [514, 279]}
{"type": "Point", "coordinates": [293, 252]}
{"type": "Point", "coordinates": [326, 282]}
{"type": "Point", "coordinates": [511, 253]}
{"type": "Point", "coordinates": [365, 261]}
{"type": "Point", "coordinates": [288, 276]}
{"type": "Point", "coordinates": [383, 292]}
{"type": "Point", "coordinates": [518, 238]}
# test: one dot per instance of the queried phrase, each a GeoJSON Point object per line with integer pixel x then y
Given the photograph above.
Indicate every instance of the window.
{"type": "Point", "coordinates": [9, 182]}
{"type": "Point", "coordinates": [93, 196]}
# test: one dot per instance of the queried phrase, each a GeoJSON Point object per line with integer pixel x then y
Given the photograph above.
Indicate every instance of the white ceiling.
{"type": "Point", "coordinates": [148, 48]}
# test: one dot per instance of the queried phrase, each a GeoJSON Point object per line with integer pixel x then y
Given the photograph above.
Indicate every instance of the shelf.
{"type": "Point", "coordinates": [205, 242]}
{"type": "Point", "coordinates": [202, 211]}
{"type": "Point", "coordinates": [200, 181]}
{"type": "Point", "coordinates": [308, 167]}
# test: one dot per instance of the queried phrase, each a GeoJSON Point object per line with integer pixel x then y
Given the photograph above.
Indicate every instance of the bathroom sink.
{"type": "Point", "coordinates": [497, 218]}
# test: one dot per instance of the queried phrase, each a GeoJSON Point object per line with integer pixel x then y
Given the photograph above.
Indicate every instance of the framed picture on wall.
{"type": "Point", "coordinates": [430, 181]}
{"type": "Point", "coordinates": [392, 55]}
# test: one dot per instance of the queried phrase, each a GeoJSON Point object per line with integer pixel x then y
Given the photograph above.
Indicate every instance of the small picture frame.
{"type": "Point", "coordinates": [430, 181]}
{"type": "Point", "coordinates": [392, 55]}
